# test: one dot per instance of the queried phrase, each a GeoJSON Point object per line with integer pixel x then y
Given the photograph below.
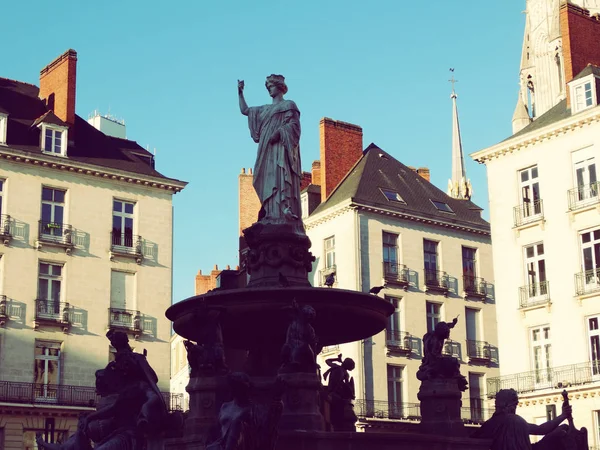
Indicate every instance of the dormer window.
{"type": "Point", "coordinates": [54, 139]}
{"type": "Point", "coordinates": [583, 96]}
{"type": "Point", "coordinates": [584, 89]}
{"type": "Point", "coordinates": [3, 123]}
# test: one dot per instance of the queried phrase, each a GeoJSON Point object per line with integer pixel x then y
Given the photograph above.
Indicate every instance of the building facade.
{"type": "Point", "coordinates": [381, 223]}
{"type": "Point", "coordinates": [86, 223]}
{"type": "Point", "coordinates": [545, 216]}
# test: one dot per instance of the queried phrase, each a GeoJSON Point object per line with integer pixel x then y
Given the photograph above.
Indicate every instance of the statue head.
{"type": "Point", "coordinates": [507, 401]}
{"type": "Point", "coordinates": [308, 313]}
{"type": "Point", "coordinates": [119, 340]}
{"type": "Point", "coordinates": [348, 364]}
{"type": "Point", "coordinates": [240, 385]}
{"type": "Point", "coordinates": [442, 330]}
{"type": "Point", "coordinates": [278, 81]}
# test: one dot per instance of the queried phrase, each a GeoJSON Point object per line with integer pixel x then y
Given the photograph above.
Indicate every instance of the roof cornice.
{"type": "Point", "coordinates": [65, 164]}
{"type": "Point", "coordinates": [553, 130]}
{"type": "Point", "coordinates": [349, 205]}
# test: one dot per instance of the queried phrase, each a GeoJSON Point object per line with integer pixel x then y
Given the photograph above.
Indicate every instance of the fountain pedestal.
{"type": "Point", "coordinates": [301, 403]}
{"type": "Point", "coordinates": [440, 407]}
{"type": "Point", "coordinates": [207, 394]}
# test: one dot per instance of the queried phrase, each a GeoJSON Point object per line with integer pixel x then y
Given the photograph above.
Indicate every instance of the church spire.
{"type": "Point", "coordinates": [458, 187]}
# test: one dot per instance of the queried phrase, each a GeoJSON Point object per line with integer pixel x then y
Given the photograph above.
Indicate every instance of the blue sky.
{"type": "Point", "coordinates": [170, 69]}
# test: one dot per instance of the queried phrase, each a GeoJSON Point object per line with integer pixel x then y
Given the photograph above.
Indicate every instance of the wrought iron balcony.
{"type": "Point", "coordinates": [436, 280]}
{"type": "Point", "coordinates": [399, 342]}
{"type": "Point", "coordinates": [475, 413]}
{"type": "Point", "coordinates": [534, 294]}
{"type": "Point", "coordinates": [128, 245]}
{"type": "Point", "coordinates": [452, 348]}
{"type": "Point", "coordinates": [330, 349]}
{"type": "Point", "coordinates": [547, 378]}
{"type": "Point", "coordinates": [5, 228]}
{"type": "Point", "coordinates": [479, 350]}
{"type": "Point", "coordinates": [583, 196]}
{"type": "Point", "coordinates": [395, 273]}
{"type": "Point", "coordinates": [528, 212]}
{"type": "Point", "coordinates": [327, 271]}
{"type": "Point", "coordinates": [56, 234]}
{"type": "Point", "coordinates": [382, 409]}
{"type": "Point", "coordinates": [475, 287]}
{"type": "Point", "coordinates": [587, 282]}
{"type": "Point", "coordinates": [52, 312]}
{"type": "Point", "coordinates": [78, 396]}
{"type": "Point", "coordinates": [125, 319]}
{"type": "Point", "coordinates": [8, 310]}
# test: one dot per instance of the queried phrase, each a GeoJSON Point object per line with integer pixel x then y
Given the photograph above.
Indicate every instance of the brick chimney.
{"type": "Point", "coordinates": [249, 204]}
{"type": "Point", "coordinates": [341, 148]}
{"type": "Point", "coordinates": [57, 85]}
{"type": "Point", "coordinates": [424, 172]}
{"type": "Point", "coordinates": [306, 180]}
{"type": "Point", "coordinates": [316, 172]}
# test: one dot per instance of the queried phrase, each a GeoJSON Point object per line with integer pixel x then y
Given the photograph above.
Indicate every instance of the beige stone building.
{"type": "Point", "coordinates": [545, 216]}
{"type": "Point", "coordinates": [86, 226]}
{"type": "Point", "coordinates": [381, 223]}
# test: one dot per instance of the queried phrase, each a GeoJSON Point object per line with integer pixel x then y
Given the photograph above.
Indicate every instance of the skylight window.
{"type": "Point", "coordinates": [392, 196]}
{"type": "Point", "coordinates": [441, 206]}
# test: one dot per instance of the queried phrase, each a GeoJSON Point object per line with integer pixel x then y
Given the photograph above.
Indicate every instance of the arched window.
{"type": "Point", "coordinates": [559, 68]}
{"type": "Point", "coordinates": [530, 96]}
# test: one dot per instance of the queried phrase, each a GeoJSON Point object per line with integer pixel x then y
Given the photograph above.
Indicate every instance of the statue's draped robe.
{"type": "Point", "coordinates": [507, 431]}
{"type": "Point", "coordinates": [277, 172]}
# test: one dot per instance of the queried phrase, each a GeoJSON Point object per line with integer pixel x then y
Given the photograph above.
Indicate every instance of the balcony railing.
{"type": "Point", "coordinates": [475, 413]}
{"type": "Point", "coordinates": [452, 348]}
{"type": "Point", "coordinates": [475, 286]}
{"type": "Point", "coordinates": [583, 196]}
{"type": "Point", "coordinates": [395, 273]}
{"type": "Point", "coordinates": [5, 228]}
{"type": "Point", "coordinates": [534, 294]}
{"type": "Point", "coordinates": [547, 378]}
{"type": "Point", "coordinates": [331, 349]}
{"type": "Point", "coordinates": [588, 281]}
{"type": "Point", "coordinates": [126, 244]}
{"type": "Point", "coordinates": [326, 272]}
{"type": "Point", "coordinates": [436, 280]}
{"type": "Point", "coordinates": [478, 350]}
{"type": "Point", "coordinates": [52, 311]}
{"type": "Point", "coordinates": [399, 341]}
{"type": "Point", "coordinates": [55, 233]}
{"type": "Point", "coordinates": [81, 396]}
{"type": "Point", "coordinates": [125, 318]}
{"type": "Point", "coordinates": [528, 212]}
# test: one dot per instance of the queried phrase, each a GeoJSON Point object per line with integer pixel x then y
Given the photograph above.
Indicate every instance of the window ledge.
{"type": "Point", "coordinates": [535, 222]}
{"type": "Point", "coordinates": [60, 155]}
{"type": "Point", "coordinates": [583, 209]}
{"type": "Point", "coordinates": [539, 304]}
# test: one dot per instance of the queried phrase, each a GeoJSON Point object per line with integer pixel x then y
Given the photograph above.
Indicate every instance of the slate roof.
{"type": "Point", "coordinates": [26, 110]}
{"type": "Point", "coordinates": [589, 69]}
{"type": "Point", "coordinates": [377, 170]}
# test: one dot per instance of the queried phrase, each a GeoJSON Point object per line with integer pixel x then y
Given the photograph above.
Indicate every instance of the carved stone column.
{"type": "Point", "coordinates": [207, 394]}
{"type": "Point", "coordinates": [440, 407]}
{"type": "Point", "coordinates": [301, 403]}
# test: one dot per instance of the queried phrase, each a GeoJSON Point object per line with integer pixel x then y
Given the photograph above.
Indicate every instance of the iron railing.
{"type": "Point", "coordinates": [478, 350]}
{"type": "Point", "coordinates": [81, 396]}
{"type": "Point", "coordinates": [399, 341]}
{"type": "Point", "coordinates": [534, 294]}
{"type": "Point", "coordinates": [5, 221]}
{"type": "Point", "coordinates": [125, 318]}
{"type": "Point", "coordinates": [326, 272]}
{"type": "Point", "coordinates": [546, 378]}
{"type": "Point", "coordinates": [395, 273]}
{"type": "Point", "coordinates": [583, 195]}
{"type": "Point", "coordinates": [475, 286]}
{"type": "Point", "coordinates": [52, 311]}
{"type": "Point", "coordinates": [528, 212]}
{"type": "Point", "coordinates": [331, 349]}
{"type": "Point", "coordinates": [452, 348]}
{"type": "Point", "coordinates": [475, 413]}
{"type": "Point", "coordinates": [55, 233]}
{"type": "Point", "coordinates": [588, 281]}
{"type": "Point", "coordinates": [126, 243]}
{"type": "Point", "coordinates": [436, 279]}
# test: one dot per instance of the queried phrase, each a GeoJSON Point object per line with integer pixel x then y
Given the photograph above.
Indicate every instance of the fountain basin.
{"type": "Point", "coordinates": [257, 316]}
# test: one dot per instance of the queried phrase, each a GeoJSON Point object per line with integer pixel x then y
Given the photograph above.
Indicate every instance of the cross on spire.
{"type": "Point", "coordinates": [452, 80]}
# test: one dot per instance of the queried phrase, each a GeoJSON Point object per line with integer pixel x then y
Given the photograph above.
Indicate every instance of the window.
{"type": "Point", "coordinates": [476, 395]}
{"type": "Point", "coordinates": [394, 326]}
{"type": "Point", "coordinates": [583, 96]}
{"type": "Point", "coordinates": [394, 379]}
{"type": "Point", "coordinates": [49, 290]}
{"type": "Point", "coordinates": [390, 253]}
{"type": "Point", "coordinates": [472, 321]}
{"type": "Point", "coordinates": [535, 267]}
{"type": "Point", "coordinates": [54, 140]}
{"type": "Point", "coordinates": [47, 369]}
{"type": "Point", "coordinates": [3, 126]}
{"type": "Point", "coordinates": [1, 198]}
{"type": "Point", "coordinates": [541, 350]}
{"type": "Point", "coordinates": [584, 166]}
{"type": "Point", "coordinates": [122, 234]}
{"type": "Point", "coordinates": [441, 206]}
{"type": "Point", "coordinates": [122, 299]}
{"type": "Point", "coordinates": [53, 210]}
{"type": "Point", "coordinates": [594, 339]}
{"type": "Point", "coordinates": [330, 252]}
{"type": "Point", "coordinates": [392, 196]}
{"type": "Point", "coordinates": [430, 254]}
{"type": "Point", "coordinates": [469, 261]}
{"type": "Point", "coordinates": [433, 315]}
{"type": "Point", "coordinates": [304, 205]}
{"type": "Point", "coordinates": [590, 252]}
{"type": "Point", "coordinates": [530, 192]}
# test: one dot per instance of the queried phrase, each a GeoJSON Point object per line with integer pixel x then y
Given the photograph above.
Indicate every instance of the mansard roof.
{"type": "Point", "coordinates": [21, 102]}
{"type": "Point", "coordinates": [377, 172]}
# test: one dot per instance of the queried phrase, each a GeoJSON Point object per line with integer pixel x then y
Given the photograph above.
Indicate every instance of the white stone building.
{"type": "Point", "coordinates": [384, 223]}
{"type": "Point", "coordinates": [545, 216]}
{"type": "Point", "coordinates": [86, 223]}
